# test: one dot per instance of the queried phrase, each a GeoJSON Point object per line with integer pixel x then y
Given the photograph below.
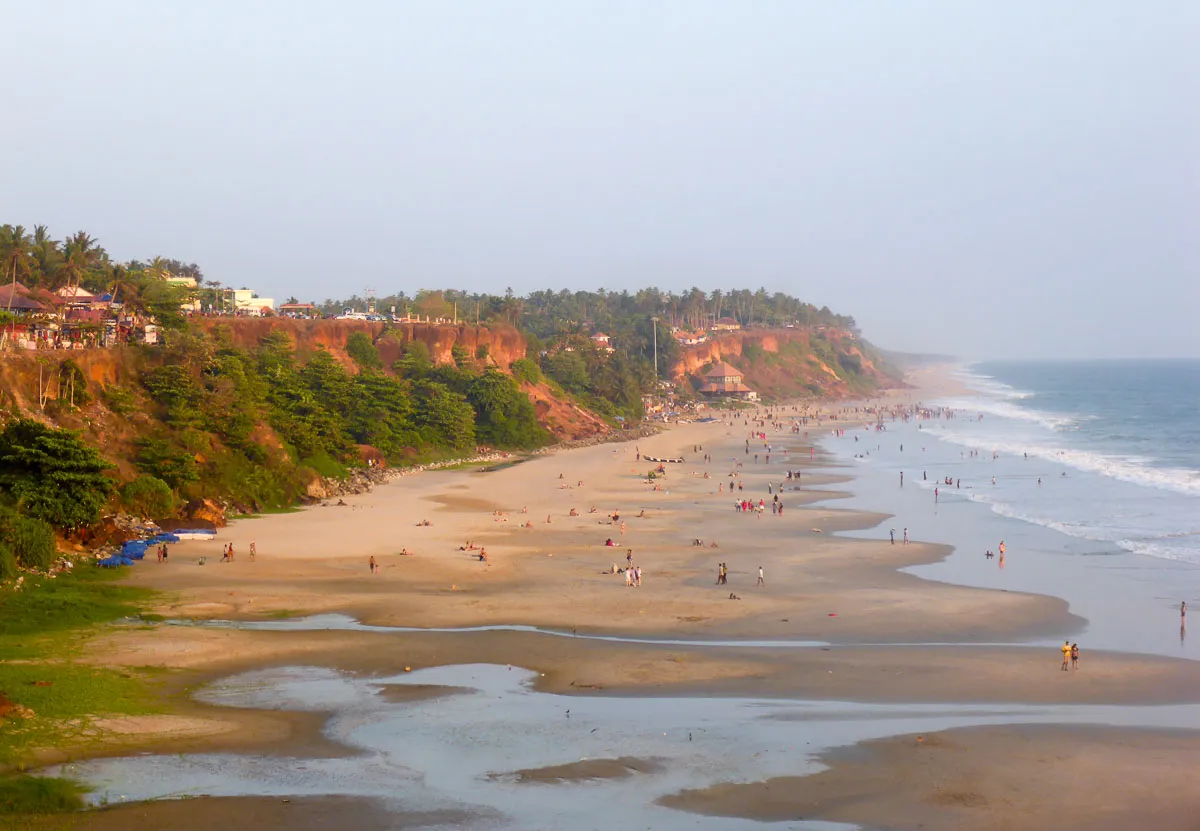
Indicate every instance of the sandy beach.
{"type": "Point", "coordinates": [836, 621]}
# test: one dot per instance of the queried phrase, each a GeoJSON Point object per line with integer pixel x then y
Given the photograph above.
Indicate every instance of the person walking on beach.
{"type": "Point", "coordinates": [906, 536]}
{"type": "Point", "coordinates": [1074, 656]}
{"type": "Point", "coordinates": [761, 581]}
{"type": "Point", "coordinates": [253, 549]}
{"type": "Point", "coordinates": [371, 564]}
{"type": "Point", "coordinates": [893, 535]}
{"type": "Point", "coordinates": [1066, 653]}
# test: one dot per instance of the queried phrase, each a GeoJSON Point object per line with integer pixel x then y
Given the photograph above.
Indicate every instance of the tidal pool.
{"type": "Point", "coordinates": [461, 751]}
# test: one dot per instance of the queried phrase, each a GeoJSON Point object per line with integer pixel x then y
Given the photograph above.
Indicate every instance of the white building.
{"type": "Point", "coordinates": [245, 301]}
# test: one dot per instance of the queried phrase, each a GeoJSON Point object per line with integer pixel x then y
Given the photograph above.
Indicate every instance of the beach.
{"type": "Point", "coordinates": [841, 644]}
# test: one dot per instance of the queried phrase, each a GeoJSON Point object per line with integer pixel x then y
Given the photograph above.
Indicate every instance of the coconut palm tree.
{"type": "Point", "coordinates": [82, 254]}
{"type": "Point", "coordinates": [47, 254]}
{"type": "Point", "coordinates": [14, 249]}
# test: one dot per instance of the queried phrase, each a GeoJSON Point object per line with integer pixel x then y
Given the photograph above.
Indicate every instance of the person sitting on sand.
{"type": "Point", "coordinates": [573, 512]}
{"type": "Point", "coordinates": [609, 542]}
{"type": "Point", "coordinates": [733, 596]}
{"type": "Point", "coordinates": [404, 552]}
{"type": "Point", "coordinates": [483, 556]}
{"type": "Point", "coordinates": [592, 509]}
{"type": "Point", "coordinates": [528, 524]}
{"type": "Point", "coordinates": [641, 513]}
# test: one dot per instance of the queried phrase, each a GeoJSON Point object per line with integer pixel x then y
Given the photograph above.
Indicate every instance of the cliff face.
{"type": "Point", "coordinates": [502, 344]}
{"type": "Point", "coordinates": [786, 363]}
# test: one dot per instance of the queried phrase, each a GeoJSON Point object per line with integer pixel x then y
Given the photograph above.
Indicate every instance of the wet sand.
{"type": "Point", "coordinates": [584, 771]}
{"type": "Point", "coordinates": [329, 813]}
{"type": "Point", "coordinates": [988, 778]}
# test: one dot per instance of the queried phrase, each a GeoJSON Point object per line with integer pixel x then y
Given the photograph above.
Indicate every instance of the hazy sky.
{"type": "Point", "coordinates": [1000, 179]}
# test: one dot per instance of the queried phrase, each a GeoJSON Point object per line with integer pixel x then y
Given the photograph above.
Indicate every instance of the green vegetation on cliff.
{"type": "Point", "coordinates": [258, 424]}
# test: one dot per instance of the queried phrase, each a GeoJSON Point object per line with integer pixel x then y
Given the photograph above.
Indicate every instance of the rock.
{"type": "Point", "coordinates": [206, 510]}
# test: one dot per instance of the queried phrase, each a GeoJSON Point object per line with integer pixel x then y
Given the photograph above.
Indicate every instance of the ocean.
{"type": "Point", "coordinates": [1089, 471]}
{"type": "Point", "coordinates": [1127, 430]}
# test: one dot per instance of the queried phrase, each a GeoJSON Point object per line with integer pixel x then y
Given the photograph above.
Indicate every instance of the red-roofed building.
{"type": "Point", "coordinates": [602, 342]}
{"type": "Point", "coordinates": [299, 310]}
{"type": "Point", "coordinates": [18, 298]}
{"type": "Point", "coordinates": [725, 381]}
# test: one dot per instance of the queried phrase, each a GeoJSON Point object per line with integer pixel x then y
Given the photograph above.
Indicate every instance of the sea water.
{"type": "Point", "coordinates": [1089, 471]}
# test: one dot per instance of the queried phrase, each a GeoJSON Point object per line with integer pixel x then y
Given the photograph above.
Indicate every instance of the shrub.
{"type": "Point", "coordinates": [159, 458]}
{"type": "Point", "coordinates": [119, 400]}
{"type": "Point", "coordinates": [21, 794]}
{"type": "Point", "coordinates": [362, 351]}
{"type": "Point", "coordinates": [8, 562]}
{"type": "Point", "coordinates": [30, 541]}
{"type": "Point", "coordinates": [524, 369]}
{"type": "Point", "coordinates": [148, 496]}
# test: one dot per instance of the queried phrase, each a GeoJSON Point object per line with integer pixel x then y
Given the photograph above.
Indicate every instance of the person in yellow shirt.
{"type": "Point", "coordinates": [1066, 652]}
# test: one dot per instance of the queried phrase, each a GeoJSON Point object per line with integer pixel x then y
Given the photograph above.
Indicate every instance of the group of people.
{"type": "Point", "coordinates": [226, 552]}
{"type": "Point", "coordinates": [1070, 656]}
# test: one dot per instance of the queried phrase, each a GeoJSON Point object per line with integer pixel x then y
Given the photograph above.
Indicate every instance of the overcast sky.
{"type": "Point", "coordinates": [1002, 179]}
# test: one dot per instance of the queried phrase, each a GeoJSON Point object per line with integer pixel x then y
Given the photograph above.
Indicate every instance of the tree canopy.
{"type": "Point", "coordinates": [52, 474]}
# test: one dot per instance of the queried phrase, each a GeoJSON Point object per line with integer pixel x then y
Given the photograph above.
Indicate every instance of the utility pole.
{"type": "Point", "coordinates": [654, 320]}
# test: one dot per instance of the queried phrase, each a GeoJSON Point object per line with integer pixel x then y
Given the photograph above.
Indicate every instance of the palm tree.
{"type": "Point", "coordinates": [14, 248]}
{"type": "Point", "coordinates": [46, 254]}
{"type": "Point", "coordinates": [82, 254]}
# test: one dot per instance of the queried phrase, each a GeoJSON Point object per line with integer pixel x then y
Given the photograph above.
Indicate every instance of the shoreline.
{"type": "Point", "coordinates": [537, 576]}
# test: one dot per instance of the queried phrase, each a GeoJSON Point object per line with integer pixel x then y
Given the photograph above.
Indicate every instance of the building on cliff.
{"type": "Point", "coordinates": [726, 324]}
{"type": "Point", "coordinates": [725, 381]}
{"type": "Point", "coordinates": [602, 342]}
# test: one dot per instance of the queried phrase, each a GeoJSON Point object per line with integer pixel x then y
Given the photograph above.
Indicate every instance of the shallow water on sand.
{"type": "Point", "coordinates": [454, 751]}
{"type": "Point", "coordinates": [1131, 601]}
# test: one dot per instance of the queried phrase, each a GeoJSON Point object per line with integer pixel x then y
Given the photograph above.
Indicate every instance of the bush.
{"type": "Point", "coordinates": [119, 400]}
{"type": "Point", "coordinates": [21, 794]}
{"type": "Point", "coordinates": [31, 541]}
{"type": "Point", "coordinates": [362, 351]}
{"type": "Point", "coordinates": [162, 460]}
{"type": "Point", "coordinates": [524, 369]}
{"type": "Point", "coordinates": [8, 562]}
{"type": "Point", "coordinates": [148, 496]}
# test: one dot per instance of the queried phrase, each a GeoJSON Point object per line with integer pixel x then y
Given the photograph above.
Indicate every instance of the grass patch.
{"type": "Point", "coordinates": [45, 605]}
{"type": "Point", "coordinates": [44, 628]}
{"type": "Point", "coordinates": [21, 794]}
